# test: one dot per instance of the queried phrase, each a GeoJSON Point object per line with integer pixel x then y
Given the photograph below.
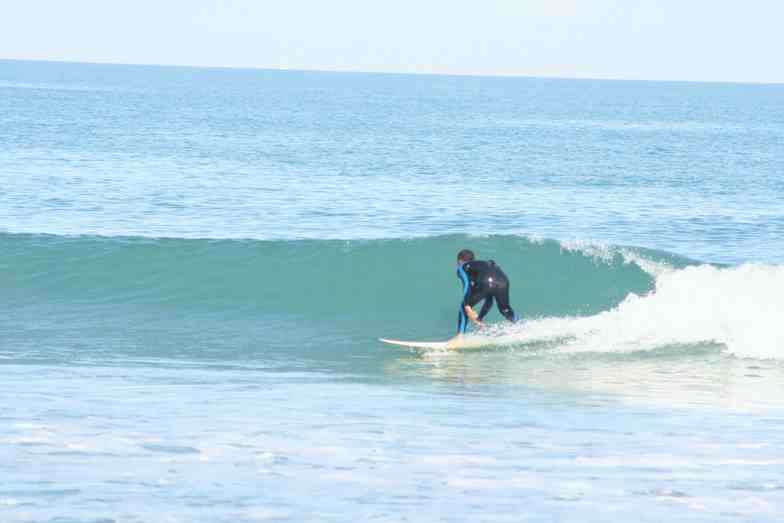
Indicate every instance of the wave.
{"type": "Point", "coordinates": [305, 276]}
{"type": "Point", "coordinates": [306, 295]}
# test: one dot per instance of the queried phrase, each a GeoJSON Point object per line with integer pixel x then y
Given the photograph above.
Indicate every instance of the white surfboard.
{"type": "Point", "coordinates": [418, 344]}
{"type": "Point", "coordinates": [464, 343]}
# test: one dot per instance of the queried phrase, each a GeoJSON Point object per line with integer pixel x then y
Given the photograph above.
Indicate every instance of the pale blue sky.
{"type": "Point", "coordinates": [724, 40]}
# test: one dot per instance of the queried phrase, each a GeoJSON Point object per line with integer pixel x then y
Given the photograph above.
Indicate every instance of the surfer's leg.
{"type": "Point", "coordinates": [502, 298]}
{"type": "Point", "coordinates": [486, 306]}
{"type": "Point", "coordinates": [462, 321]}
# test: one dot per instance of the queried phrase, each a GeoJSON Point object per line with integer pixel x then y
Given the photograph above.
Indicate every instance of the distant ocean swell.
{"type": "Point", "coordinates": [179, 298]}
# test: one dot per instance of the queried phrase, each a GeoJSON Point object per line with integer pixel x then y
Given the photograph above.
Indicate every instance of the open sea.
{"type": "Point", "coordinates": [196, 264]}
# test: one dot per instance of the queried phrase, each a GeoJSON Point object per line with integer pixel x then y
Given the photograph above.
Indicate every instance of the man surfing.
{"type": "Point", "coordinates": [482, 280]}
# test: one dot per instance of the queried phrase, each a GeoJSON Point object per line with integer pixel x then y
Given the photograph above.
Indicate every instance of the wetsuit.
{"type": "Point", "coordinates": [483, 280]}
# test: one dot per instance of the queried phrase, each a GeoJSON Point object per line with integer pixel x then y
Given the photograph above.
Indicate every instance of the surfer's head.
{"type": "Point", "coordinates": [465, 255]}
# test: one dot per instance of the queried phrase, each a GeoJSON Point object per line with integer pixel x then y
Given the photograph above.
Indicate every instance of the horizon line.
{"type": "Point", "coordinates": [396, 73]}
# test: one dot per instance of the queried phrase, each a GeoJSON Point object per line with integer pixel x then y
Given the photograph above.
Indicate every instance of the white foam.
{"type": "Point", "coordinates": [607, 254]}
{"type": "Point", "coordinates": [738, 307]}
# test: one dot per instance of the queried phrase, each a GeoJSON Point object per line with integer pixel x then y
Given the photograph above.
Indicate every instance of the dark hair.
{"type": "Point", "coordinates": [465, 255]}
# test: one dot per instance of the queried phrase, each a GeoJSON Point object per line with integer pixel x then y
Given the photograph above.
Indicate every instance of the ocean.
{"type": "Point", "coordinates": [196, 264]}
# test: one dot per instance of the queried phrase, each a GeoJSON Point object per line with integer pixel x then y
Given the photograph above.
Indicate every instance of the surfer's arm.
{"type": "Point", "coordinates": [464, 306]}
{"type": "Point", "coordinates": [469, 311]}
{"type": "Point", "coordinates": [472, 315]}
{"type": "Point", "coordinates": [461, 274]}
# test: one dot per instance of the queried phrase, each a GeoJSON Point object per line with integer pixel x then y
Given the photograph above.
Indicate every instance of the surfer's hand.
{"type": "Point", "coordinates": [472, 315]}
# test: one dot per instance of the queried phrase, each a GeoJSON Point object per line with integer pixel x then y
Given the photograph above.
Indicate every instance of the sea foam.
{"type": "Point", "coordinates": [737, 307]}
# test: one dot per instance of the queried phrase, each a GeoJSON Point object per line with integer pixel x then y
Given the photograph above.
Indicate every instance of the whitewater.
{"type": "Point", "coordinates": [196, 264]}
{"type": "Point", "coordinates": [735, 307]}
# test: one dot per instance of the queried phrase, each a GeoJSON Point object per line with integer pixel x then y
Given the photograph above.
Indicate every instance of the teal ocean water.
{"type": "Point", "coordinates": [195, 265]}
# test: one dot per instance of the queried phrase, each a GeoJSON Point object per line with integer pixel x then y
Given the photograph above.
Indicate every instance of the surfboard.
{"type": "Point", "coordinates": [417, 344]}
{"type": "Point", "coordinates": [465, 343]}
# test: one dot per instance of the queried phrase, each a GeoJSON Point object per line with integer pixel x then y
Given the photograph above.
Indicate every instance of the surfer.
{"type": "Point", "coordinates": [482, 280]}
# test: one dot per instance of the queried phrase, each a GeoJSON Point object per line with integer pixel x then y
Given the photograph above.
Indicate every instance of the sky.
{"type": "Point", "coordinates": [698, 40]}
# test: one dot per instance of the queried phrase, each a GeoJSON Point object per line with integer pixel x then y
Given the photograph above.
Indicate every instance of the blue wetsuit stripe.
{"type": "Point", "coordinates": [466, 285]}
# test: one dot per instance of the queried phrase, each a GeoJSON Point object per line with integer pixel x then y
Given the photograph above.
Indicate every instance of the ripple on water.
{"type": "Point", "coordinates": [170, 449]}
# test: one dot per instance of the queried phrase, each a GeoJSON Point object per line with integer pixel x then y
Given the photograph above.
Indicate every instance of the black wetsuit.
{"type": "Point", "coordinates": [483, 280]}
